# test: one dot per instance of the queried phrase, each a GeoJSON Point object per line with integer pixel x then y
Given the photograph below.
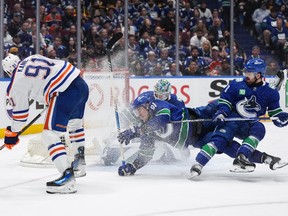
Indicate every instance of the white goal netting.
{"type": "Point", "coordinates": [105, 89]}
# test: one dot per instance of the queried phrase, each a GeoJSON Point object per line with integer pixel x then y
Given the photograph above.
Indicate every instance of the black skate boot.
{"type": "Point", "coordinates": [79, 163]}
{"type": "Point", "coordinates": [278, 79]}
{"type": "Point", "coordinates": [242, 164]}
{"type": "Point", "coordinates": [273, 162]}
{"type": "Point", "coordinates": [65, 184]}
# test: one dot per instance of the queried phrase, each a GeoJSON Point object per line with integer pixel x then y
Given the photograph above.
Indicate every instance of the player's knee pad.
{"type": "Point", "coordinates": [50, 137]}
{"type": "Point", "coordinates": [258, 130]}
{"type": "Point", "coordinates": [75, 124]}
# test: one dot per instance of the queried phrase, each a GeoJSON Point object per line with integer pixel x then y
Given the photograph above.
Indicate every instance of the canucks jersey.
{"type": "Point", "coordinates": [161, 115]}
{"type": "Point", "coordinates": [37, 78]}
{"type": "Point", "coordinates": [249, 102]}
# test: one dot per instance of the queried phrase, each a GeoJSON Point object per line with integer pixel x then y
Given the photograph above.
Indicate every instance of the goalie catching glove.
{"type": "Point", "coordinates": [126, 170]}
{"type": "Point", "coordinates": [11, 138]}
{"type": "Point", "coordinates": [127, 135]}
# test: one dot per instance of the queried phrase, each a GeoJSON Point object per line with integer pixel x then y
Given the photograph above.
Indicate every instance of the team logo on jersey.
{"type": "Point", "coordinates": [165, 132]}
{"type": "Point", "coordinates": [242, 92]}
{"type": "Point", "coordinates": [248, 108]}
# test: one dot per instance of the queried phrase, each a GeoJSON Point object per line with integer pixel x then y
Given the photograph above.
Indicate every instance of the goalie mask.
{"type": "Point", "coordinates": [255, 66]}
{"type": "Point", "coordinates": [9, 63]}
{"type": "Point", "coordinates": [162, 90]}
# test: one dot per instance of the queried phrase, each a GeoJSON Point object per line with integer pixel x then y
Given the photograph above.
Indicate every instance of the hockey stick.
{"type": "Point", "coordinates": [110, 44]}
{"type": "Point", "coordinates": [226, 119]}
{"type": "Point", "coordinates": [113, 40]}
{"type": "Point", "coordinates": [28, 125]}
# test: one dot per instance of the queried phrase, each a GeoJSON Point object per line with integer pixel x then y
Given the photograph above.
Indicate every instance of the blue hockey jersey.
{"type": "Point", "coordinates": [161, 114]}
{"type": "Point", "coordinates": [240, 100]}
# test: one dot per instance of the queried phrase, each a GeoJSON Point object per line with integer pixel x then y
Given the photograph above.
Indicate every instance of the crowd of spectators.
{"type": "Point", "coordinates": [269, 26]}
{"type": "Point", "coordinates": [203, 41]}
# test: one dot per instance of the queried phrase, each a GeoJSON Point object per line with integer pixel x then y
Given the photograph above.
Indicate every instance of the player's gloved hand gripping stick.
{"type": "Point", "coordinates": [11, 138]}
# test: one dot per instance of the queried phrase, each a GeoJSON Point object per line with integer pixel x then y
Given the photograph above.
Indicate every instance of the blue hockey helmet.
{"type": "Point", "coordinates": [140, 101]}
{"type": "Point", "coordinates": [255, 65]}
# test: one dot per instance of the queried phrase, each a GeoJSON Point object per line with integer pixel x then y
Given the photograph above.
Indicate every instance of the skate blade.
{"type": "Point", "coordinates": [79, 174]}
{"type": "Point", "coordinates": [238, 169]}
{"type": "Point", "coordinates": [280, 165]}
{"type": "Point", "coordinates": [65, 189]}
{"type": "Point", "coordinates": [192, 175]}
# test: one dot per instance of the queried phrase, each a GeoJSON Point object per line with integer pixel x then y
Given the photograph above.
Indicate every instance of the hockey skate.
{"type": "Point", "coordinates": [242, 164]}
{"type": "Point", "coordinates": [65, 184]}
{"type": "Point", "coordinates": [79, 163]}
{"type": "Point", "coordinates": [273, 162]}
{"type": "Point", "coordinates": [195, 171]}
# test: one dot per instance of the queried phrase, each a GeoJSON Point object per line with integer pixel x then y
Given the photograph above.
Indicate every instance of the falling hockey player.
{"type": "Point", "coordinates": [166, 154]}
{"type": "Point", "coordinates": [157, 117]}
{"type": "Point", "coordinates": [249, 97]}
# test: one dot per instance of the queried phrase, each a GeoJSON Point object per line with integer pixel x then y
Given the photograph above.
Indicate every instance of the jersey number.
{"type": "Point", "coordinates": [43, 68]}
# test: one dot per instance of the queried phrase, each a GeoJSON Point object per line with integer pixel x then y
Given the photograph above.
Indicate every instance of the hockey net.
{"type": "Point", "coordinates": [105, 89]}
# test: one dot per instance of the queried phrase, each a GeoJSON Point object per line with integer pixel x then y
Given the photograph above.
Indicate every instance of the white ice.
{"type": "Point", "coordinates": [155, 190]}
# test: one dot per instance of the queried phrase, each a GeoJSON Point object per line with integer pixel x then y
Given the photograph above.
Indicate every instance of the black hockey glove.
{"type": "Point", "coordinates": [11, 138]}
{"type": "Point", "coordinates": [282, 120]}
{"type": "Point", "coordinates": [126, 170]}
{"type": "Point", "coordinates": [127, 135]}
{"type": "Point", "coordinates": [219, 118]}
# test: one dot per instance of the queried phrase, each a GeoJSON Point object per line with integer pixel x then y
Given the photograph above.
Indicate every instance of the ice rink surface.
{"type": "Point", "coordinates": [155, 190]}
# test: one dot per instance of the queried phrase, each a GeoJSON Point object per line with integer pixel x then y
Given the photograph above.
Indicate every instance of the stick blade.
{"type": "Point", "coordinates": [114, 39]}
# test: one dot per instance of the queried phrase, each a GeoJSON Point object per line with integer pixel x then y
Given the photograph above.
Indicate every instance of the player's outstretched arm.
{"type": "Point", "coordinates": [145, 154]}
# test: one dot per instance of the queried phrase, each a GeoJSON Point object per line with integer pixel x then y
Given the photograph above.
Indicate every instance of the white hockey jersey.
{"type": "Point", "coordinates": [37, 78]}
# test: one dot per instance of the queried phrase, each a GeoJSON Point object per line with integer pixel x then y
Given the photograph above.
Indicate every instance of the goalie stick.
{"type": "Point", "coordinates": [28, 125]}
{"type": "Point", "coordinates": [110, 44]}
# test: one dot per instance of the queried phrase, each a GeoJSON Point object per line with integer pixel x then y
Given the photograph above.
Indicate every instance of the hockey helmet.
{"type": "Point", "coordinates": [140, 101]}
{"type": "Point", "coordinates": [255, 65]}
{"type": "Point", "coordinates": [162, 89]}
{"type": "Point", "coordinates": [9, 63]}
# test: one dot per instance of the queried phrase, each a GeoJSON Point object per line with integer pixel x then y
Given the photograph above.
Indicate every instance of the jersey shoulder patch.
{"type": "Point", "coordinates": [239, 80]}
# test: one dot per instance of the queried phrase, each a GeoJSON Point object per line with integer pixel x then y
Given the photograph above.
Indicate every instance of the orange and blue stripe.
{"type": "Point", "coordinates": [56, 150]}
{"type": "Point", "coordinates": [57, 80]}
{"type": "Point", "coordinates": [20, 116]}
{"type": "Point", "coordinates": [77, 136]}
